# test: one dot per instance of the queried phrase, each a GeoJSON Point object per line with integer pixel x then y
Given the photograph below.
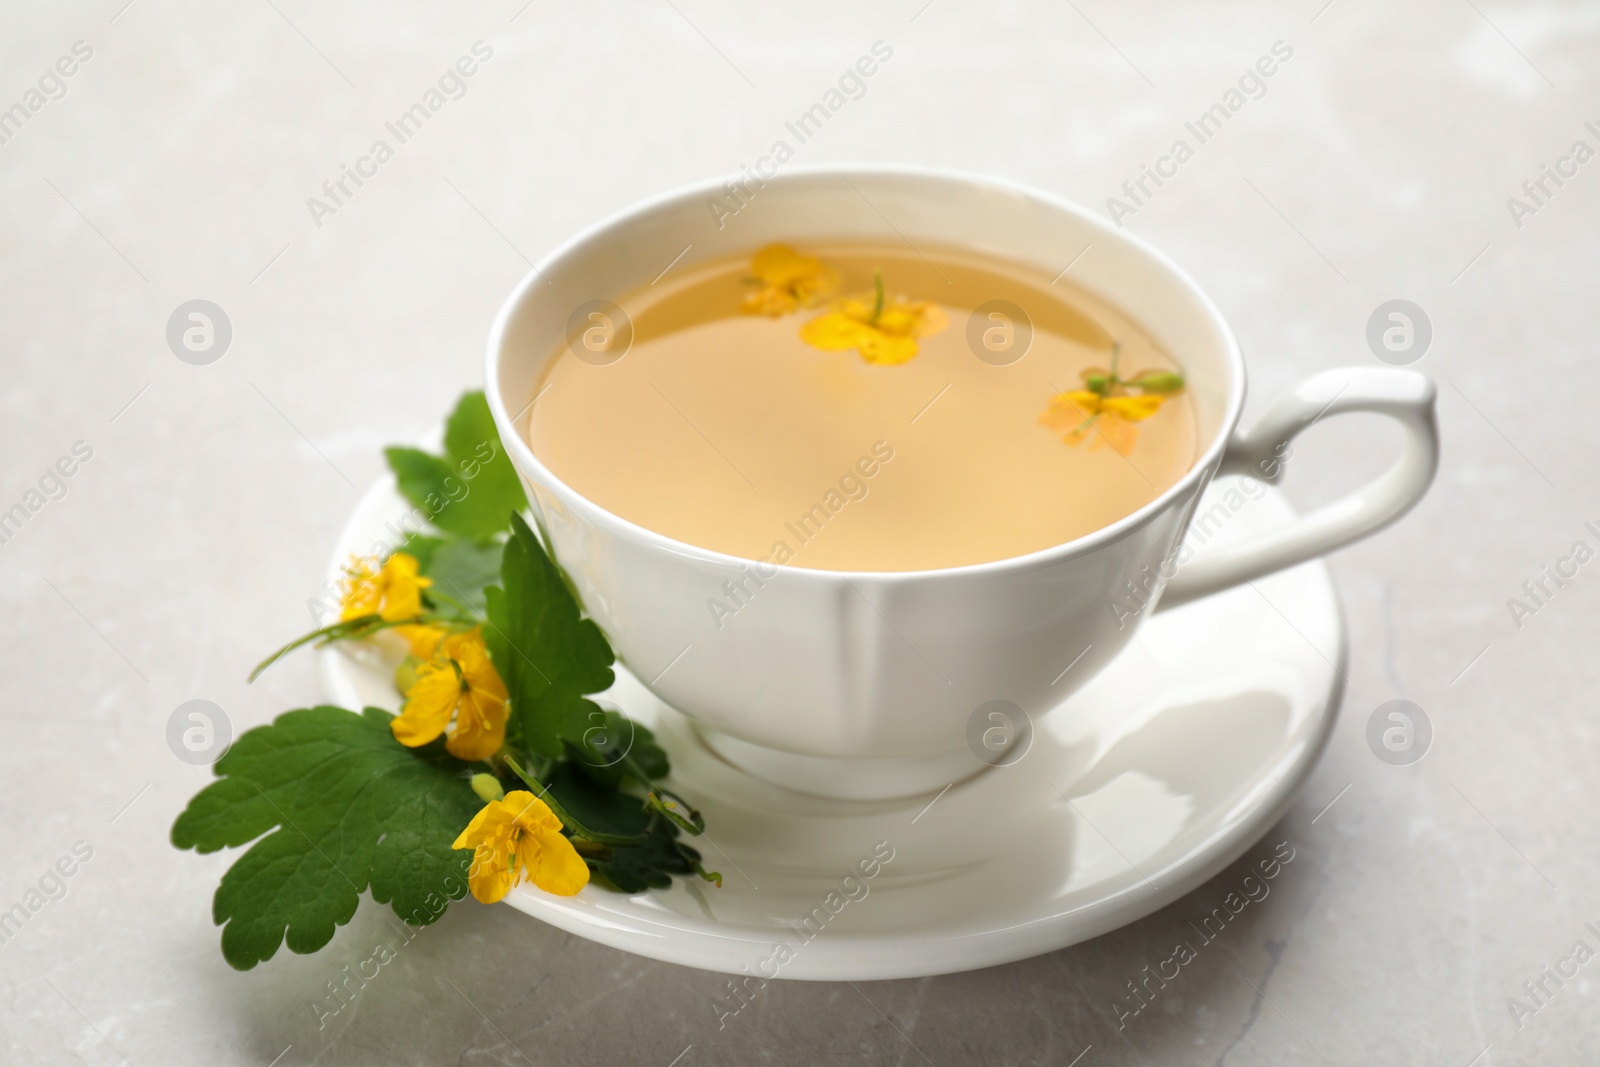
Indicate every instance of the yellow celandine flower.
{"type": "Point", "coordinates": [516, 836]}
{"type": "Point", "coordinates": [458, 680]}
{"type": "Point", "coordinates": [788, 281]}
{"type": "Point", "coordinates": [423, 638]}
{"type": "Point", "coordinates": [883, 331]}
{"type": "Point", "coordinates": [392, 592]}
{"type": "Point", "coordinates": [1073, 414]}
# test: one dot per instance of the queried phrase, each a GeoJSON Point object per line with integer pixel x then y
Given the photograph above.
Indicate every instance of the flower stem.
{"type": "Point", "coordinates": [567, 820]}
{"type": "Point", "coordinates": [660, 799]}
{"type": "Point", "coordinates": [345, 629]}
{"type": "Point", "coordinates": [710, 876]}
{"type": "Point", "coordinates": [877, 303]}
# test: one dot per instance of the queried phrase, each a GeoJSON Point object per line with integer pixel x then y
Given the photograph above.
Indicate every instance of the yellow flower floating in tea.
{"type": "Point", "coordinates": [881, 328]}
{"type": "Point", "coordinates": [788, 281]}
{"type": "Point", "coordinates": [1109, 406]}
{"type": "Point", "coordinates": [884, 330]}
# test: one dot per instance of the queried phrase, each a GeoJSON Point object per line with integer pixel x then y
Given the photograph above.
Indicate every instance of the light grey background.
{"type": "Point", "coordinates": [1376, 167]}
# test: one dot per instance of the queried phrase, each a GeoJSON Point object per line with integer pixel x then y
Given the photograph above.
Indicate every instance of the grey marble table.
{"type": "Point", "coordinates": [1400, 152]}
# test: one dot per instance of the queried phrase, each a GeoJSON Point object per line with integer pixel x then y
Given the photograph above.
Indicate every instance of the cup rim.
{"type": "Point", "coordinates": [524, 456]}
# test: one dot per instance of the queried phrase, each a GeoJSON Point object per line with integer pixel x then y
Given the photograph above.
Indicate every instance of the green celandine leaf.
{"type": "Point", "coordinates": [549, 656]}
{"type": "Point", "coordinates": [635, 868]}
{"type": "Point", "coordinates": [344, 808]}
{"type": "Point", "coordinates": [468, 497]}
{"type": "Point", "coordinates": [595, 806]}
{"type": "Point", "coordinates": [642, 749]}
{"type": "Point", "coordinates": [473, 488]}
{"type": "Point", "coordinates": [420, 547]}
{"type": "Point", "coordinates": [628, 868]}
{"type": "Point", "coordinates": [469, 426]}
{"type": "Point", "coordinates": [615, 744]}
{"type": "Point", "coordinates": [461, 570]}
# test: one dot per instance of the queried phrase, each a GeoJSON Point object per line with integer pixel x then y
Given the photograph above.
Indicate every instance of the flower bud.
{"type": "Point", "coordinates": [1159, 381]}
{"type": "Point", "coordinates": [405, 674]}
{"type": "Point", "coordinates": [487, 786]}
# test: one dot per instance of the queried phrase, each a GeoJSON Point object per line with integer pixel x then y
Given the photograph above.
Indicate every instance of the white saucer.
{"type": "Point", "coordinates": [1159, 773]}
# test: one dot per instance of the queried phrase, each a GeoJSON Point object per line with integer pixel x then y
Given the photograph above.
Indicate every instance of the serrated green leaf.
{"type": "Point", "coordinates": [615, 746]}
{"type": "Point", "coordinates": [345, 808]}
{"type": "Point", "coordinates": [471, 434]}
{"type": "Point", "coordinates": [426, 480]}
{"type": "Point", "coordinates": [472, 489]}
{"type": "Point", "coordinates": [643, 750]}
{"type": "Point", "coordinates": [628, 868]}
{"type": "Point", "coordinates": [651, 865]}
{"type": "Point", "coordinates": [462, 569]}
{"type": "Point", "coordinates": [596, 806]}
{"type": "Point", "coordinates": [549, 656]}
{"type": "Point", "coordinates": [420, 547]}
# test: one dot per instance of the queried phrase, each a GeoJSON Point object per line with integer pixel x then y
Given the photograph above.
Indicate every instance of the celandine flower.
{"type": "Point", "coordinates": [882, 330]}
{"type": "Point", "coordinates": [1073, 415]}
{"type": "Point", "coordinates": [516, 836]}
{"type": "Point", "coordinates": [1110, 405]}
{"type": "Point", "coordinates": [423, 638]}
{"type": "Point", "coordinates": [392, 591]}
{"type": "Point", "coordinates": [461, 681]}
{"type": "Point", "coordinates": [788, 281]}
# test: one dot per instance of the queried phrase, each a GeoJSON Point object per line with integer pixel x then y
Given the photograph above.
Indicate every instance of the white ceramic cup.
{"type": "Point", "coordinates": [869, 684]}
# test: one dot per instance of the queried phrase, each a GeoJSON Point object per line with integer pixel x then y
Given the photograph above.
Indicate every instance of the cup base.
{"type": "Point", "coordinates": [844, 778]}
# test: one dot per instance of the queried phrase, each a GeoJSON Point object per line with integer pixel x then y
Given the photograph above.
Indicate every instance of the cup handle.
{"type": "Point", "coordinates": [1262, 453]}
